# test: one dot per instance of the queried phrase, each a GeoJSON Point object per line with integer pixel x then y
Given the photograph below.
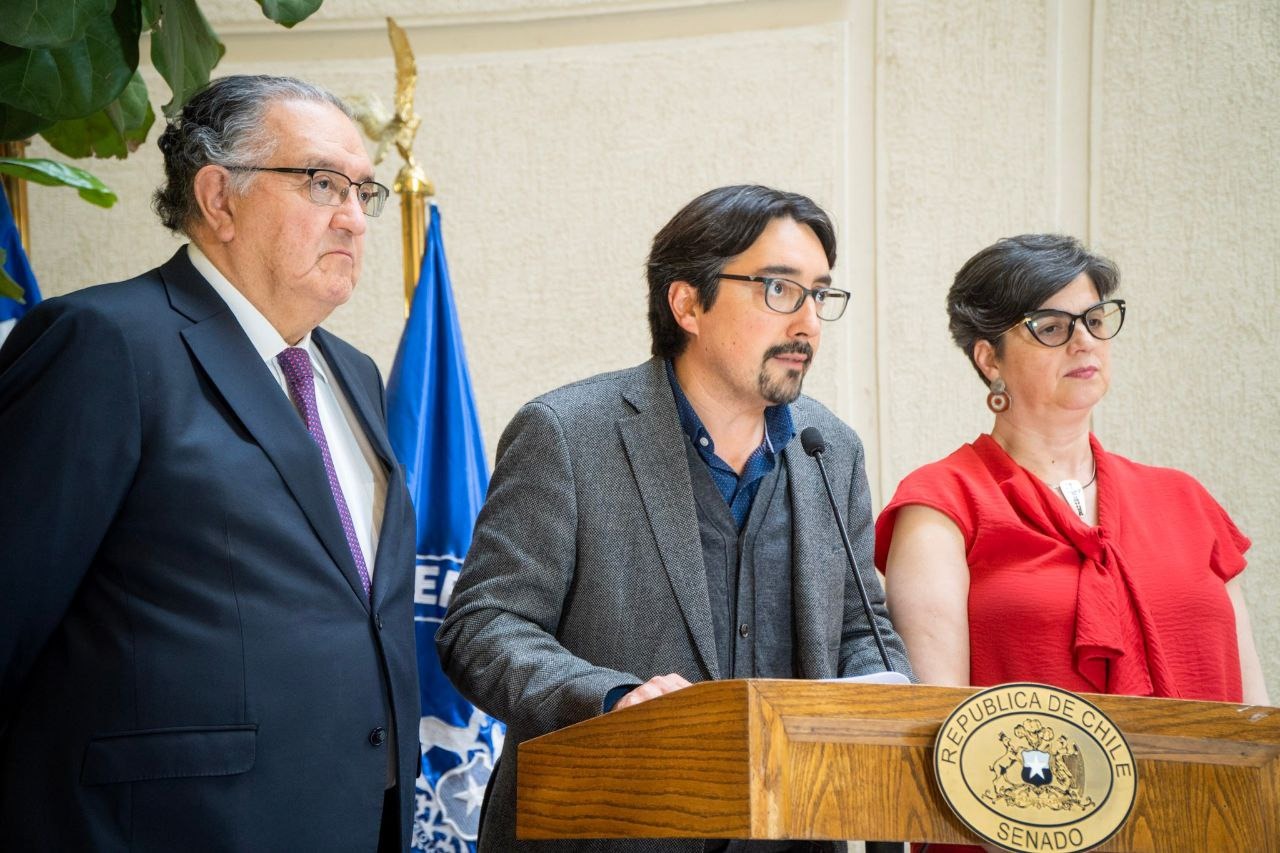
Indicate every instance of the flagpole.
{"type": "Point", "coordinates": [16, 190]}
{"type": "Point", "coordinates": [414, 190]}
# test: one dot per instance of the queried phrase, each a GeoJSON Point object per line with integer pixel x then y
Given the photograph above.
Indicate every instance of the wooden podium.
{"type": "Point", "coordinates": [822, 760]}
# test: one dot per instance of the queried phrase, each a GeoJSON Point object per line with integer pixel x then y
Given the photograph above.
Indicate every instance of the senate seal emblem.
{"type": "Point", "coordinates": [1029, 767]}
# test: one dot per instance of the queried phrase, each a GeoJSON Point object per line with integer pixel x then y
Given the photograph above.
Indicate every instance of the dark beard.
{"type": "Point", "coordinates": [784, 390]}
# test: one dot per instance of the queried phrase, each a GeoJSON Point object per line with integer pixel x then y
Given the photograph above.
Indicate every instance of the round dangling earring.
{"type": "Point", "coordinates": [998, 399]}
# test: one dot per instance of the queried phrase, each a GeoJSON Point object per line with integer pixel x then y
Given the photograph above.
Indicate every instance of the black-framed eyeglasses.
{"type": "Point", "coordinates": [1054, 328]}
{"type": "Point", "coordinates": [332, 188]}
{"type": "Point", "coordinates": [786, 296]}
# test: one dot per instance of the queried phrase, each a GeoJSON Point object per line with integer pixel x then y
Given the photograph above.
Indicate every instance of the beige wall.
{"type": "Point", "coordinates": [1186, 196]}
{"type": "Point", "coordinates": [562, 134]}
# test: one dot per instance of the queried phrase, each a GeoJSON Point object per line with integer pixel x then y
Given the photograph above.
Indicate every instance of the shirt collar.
{"type": "Point", "coordinates": [265, 339]}
{"type": "Point", "coordinates": [779, 427]}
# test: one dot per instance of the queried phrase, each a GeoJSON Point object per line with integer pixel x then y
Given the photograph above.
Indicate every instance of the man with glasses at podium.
{"type": "Point", "coordinates": [661, 525]}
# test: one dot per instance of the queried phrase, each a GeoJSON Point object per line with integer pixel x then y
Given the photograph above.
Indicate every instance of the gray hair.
{"type": "Point", "coordinates": [223, 125]}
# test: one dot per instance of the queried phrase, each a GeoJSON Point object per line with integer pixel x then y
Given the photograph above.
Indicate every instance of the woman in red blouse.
{"type": "Point", "coordinates": [1033, 554]}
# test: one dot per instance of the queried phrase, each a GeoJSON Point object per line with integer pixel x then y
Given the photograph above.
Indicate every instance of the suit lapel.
{"type": "Point", "coordinates": [654, 444]}
{"type": "Point", "coordinates": [813, 532]}
{"type": "Point", "coordinates": [224, 352]}
{"type": "Point", "coordinates": [391, 548]}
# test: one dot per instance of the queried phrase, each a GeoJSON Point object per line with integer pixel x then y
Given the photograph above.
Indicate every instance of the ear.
{"type": "Point", "coordinates": [984, 355]}
{"type": "Point", "coordinates": [685, 305]}
{"type": "Point", "coordinates": [213, 195]}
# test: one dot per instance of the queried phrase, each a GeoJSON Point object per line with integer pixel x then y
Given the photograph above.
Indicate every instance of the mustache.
{"type": "Point", "coordinates": [790, 348]}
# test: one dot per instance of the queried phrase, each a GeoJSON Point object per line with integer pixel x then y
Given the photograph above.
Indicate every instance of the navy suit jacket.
{"type": "Point", "coordinates": [187, 658]}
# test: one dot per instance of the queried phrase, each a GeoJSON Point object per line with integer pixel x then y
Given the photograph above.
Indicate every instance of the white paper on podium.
{"type": "Point", "coordinates": [871, 678]}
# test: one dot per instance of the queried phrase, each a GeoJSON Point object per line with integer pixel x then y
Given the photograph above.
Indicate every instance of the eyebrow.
{"type": "Point", "coordinates": [1065, 311]}
{"type": "Point", "coordinates": [331, 166]}
{"type": "Point", "coordinates": [790, 272]}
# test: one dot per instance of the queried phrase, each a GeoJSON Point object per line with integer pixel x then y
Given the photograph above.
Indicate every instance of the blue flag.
{"type": "Point", "coordinates": [15, 264]}
{"type": "Point", "coordinates": [431, 416]}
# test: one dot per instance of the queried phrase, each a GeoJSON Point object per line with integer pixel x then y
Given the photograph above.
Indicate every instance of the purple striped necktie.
{"type": "Point", "coordinates": [296, 364]}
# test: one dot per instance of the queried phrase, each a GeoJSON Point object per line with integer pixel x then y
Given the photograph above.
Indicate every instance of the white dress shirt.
{"type": "Point", "coordinates": [360, 472]}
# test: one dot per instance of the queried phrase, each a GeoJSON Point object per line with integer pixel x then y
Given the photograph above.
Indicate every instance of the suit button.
{"type": "Point", "coordinates": [377, 620]}
{"type": "Point", "coordinates": [378, 736]}
{"type": "Point", "coordinates": [743, 630]}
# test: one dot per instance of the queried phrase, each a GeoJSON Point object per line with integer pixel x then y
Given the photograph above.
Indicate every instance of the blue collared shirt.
{"type": "Point", "coordinates": [739, 490]}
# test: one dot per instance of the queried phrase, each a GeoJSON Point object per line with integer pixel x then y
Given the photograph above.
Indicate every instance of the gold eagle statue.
{"type": "Point", "coordinates": [398, 128]}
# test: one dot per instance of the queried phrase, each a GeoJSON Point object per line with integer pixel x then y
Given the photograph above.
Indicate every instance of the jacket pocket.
{"type": "Point", "coordinates": [169, 754]}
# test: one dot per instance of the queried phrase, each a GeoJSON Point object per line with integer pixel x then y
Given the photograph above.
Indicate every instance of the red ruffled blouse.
{"type": "Point", "coordinates": [1136, 605]}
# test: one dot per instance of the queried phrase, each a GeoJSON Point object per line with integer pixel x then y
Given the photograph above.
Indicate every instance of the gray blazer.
{"type": "Point", "coordinates": [586, 570]}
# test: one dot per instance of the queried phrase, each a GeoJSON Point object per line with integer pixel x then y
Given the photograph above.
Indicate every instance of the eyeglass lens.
{"type": "Point", "coordinates": [331, 188]}
{"type": "Point", "coordinates": [787, 296]}
{"type": "Point", "coordinates": [1054, 328]}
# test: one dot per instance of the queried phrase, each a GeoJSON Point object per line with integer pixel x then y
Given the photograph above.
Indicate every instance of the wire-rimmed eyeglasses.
{"type": "Point", "coordinates": [786, 296]}
{"type": "Point", "coordinates": [1054, 328]}
{"type": "Point", "coordinates": [332, 188]}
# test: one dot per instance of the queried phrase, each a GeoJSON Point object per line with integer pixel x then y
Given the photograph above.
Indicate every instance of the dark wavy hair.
{"type": "Point", "coordinates": [223, 124]}
{"type": "Point", "coordinates": [1014, 276]}
{"type": "Point", "coordinates": [706, 234]}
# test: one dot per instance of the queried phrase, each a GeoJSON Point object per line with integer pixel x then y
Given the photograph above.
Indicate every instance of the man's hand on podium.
{"type": "Point", "coordinates": [651, 689]}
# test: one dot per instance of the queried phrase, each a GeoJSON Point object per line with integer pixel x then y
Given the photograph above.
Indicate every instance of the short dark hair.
{"type": "Point", "coordinates": [707, 233]}
{"type": "Point", "coordinates": [223, 124]}
{"type": "Point", "coordinates": [999, 285]}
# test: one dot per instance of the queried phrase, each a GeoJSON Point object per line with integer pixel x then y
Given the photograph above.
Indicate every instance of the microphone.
{"type": "Point", "coordinates": [814, 445]}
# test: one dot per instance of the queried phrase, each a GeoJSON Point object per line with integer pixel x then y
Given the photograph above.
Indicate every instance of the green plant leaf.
{"type": "Point", "coordinates": [184, 49]}
{"type": "Point", "coordinates": [54, 174]}
{"type": "Point", "coordinates": [114, 131]}
{"type": "Point", "coordinates": [9, 287]}
{"type": "Point", "coordinates": [289, 12]}
{"type": "Point", "coordinates": [51, 23]}
{"type": "Point", "coordinates": [150, 14]}
{"type": "Point", "coordinates": [76, 80]}
{"type": "Point", "coordinates": [19, 124]}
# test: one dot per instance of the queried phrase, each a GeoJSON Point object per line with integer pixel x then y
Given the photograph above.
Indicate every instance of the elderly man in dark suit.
{"type": "Point", "coordinates": [206, 629]}
{"type": "Point", "coordinates": [661, 525]}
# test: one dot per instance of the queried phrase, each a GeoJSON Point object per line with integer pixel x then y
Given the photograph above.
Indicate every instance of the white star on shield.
{"type": "Point", "coordinates": [472, 795]}
{"type": "Point", "coordinates": [1037, 762]}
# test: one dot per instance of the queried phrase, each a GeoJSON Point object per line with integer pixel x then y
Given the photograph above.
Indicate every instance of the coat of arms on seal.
{"type": "Point", "coordinates": [1032, 767]}
{"type": "Point", "coordinates": [1038, 770]}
